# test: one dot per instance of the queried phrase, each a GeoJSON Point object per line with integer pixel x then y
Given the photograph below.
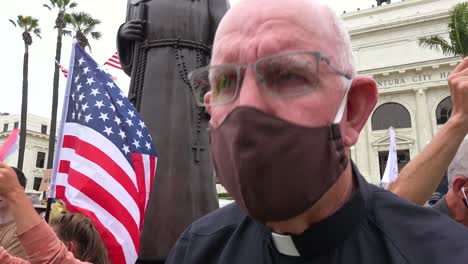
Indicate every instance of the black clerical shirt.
{"type": "Point", "coordinates": [373, 227]}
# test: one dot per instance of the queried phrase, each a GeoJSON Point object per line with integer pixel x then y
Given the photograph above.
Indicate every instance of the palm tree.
{"type": "Point", "coordinates": [27, 24]}
{"type": "Point", "coordinates": [62, 6]}
{"type": "Point", "coordinates": [83, 24]}
{"type": "Point", "coordinates": [458, 34]}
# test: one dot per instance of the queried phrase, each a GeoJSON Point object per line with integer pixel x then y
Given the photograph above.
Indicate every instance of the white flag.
{"type": "Point", "coordinates": [391, 170]}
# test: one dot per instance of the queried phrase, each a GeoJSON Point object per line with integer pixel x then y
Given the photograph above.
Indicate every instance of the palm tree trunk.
{"type": "Point", "coordinates": [24, 109]}
{"type": "Point", "coordinates": [53, 117]}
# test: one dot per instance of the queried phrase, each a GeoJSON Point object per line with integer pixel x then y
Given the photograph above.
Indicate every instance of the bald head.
{"type": "Point", "coordinates": [294, 25]}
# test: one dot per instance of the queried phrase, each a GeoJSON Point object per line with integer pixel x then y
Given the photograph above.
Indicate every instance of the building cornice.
{"type": "Point", "coordinates": [384, 8]}
{"type": "Point", "coordinates": [379, 26]}
{"type": "Point", "coordinates": [28, 133]}
{"type": "Point", "coordinates": [417, 66]}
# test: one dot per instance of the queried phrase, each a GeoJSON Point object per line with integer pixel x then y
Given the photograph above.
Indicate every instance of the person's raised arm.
{"type": "Point", "coordinates": [37, 238]}
{"type": "Point", "coordinates": [421, 176]}
{"type": "Point", "coordinates": [20, 205]}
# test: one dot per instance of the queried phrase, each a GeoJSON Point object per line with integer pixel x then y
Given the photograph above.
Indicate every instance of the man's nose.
{"type": "Point", "coordinates": [252, 94]}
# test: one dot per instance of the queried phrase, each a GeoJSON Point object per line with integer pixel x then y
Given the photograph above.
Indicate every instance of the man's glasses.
{"type": "Point", "coordinates": [282, 75]}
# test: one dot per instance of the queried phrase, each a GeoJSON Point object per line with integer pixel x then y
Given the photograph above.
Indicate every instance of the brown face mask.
{"type": "Point", "coordinates": [273, 168]}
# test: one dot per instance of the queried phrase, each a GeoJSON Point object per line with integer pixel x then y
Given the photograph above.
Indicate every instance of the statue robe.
{"type": "Point", "coordinates": [178, 36]}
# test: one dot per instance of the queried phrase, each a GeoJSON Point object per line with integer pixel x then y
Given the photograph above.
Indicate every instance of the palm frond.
{"type": "Point", "coordinates": [53, 3]}
{"type": "Point", "coordinates": [73, 5]}
{"type": "Point", "coordinates": [437, 43]}
{"type": "Point", "coordinates": [67, 33]}
{"type": "Point", "coordinates": [37, 32]}
{"type": "Point", "coordinates": [68, 18]}
{"type": "Point", "coordinates": [458, 27]}
{"type": "Point", "coordinates": [47, 6]}
{"type": "Point", "coordinates": [96, 35]}
{"type": "Point", "coordinates": [13, 22]}
{"type": "Point", "coordinates": [84, 24]}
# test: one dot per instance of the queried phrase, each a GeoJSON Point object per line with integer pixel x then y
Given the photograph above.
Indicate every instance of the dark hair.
{"type": "Point", "coordinates": [21, 178]}
{"type": "Point", "coordinates": [79, 228]}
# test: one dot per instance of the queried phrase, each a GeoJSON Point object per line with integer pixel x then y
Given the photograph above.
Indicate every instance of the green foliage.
{"type": "Point", "coordinates": [437, 43]}
{"type": "Point", "coordinates": [224, 196]}
{"type": "Point", "coordinates": [83, 24]}
{"type": "Point", "coordinates": [62, 6]}
{"type": "Point", "coordinates": [28, 25]}
{"type": "Point", "coordinates": [458, 34]}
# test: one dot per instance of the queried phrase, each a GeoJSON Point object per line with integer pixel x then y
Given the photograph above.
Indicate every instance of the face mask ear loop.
{"type": "Point", "coordinates": [339, 114]}
{"type": "Point", "coordinates": [464, 194]}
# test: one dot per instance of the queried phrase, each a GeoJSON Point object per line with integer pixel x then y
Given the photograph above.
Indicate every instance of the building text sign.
{"type": "Point", "coordinates": [411, 77]}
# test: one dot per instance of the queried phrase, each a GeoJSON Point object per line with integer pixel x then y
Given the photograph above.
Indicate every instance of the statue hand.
{"type": "Point", "coordinates": [133, 30]}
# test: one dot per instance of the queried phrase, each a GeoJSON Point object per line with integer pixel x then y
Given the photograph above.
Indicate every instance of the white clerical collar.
{"type": "Point", "coordinates": [285, 245]}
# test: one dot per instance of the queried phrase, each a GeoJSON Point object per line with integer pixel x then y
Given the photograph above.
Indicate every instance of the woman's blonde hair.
{"type": "Point", "coordinates": [79, 228]}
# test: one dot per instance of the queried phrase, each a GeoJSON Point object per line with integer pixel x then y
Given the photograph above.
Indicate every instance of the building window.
{"type": "Point", "coordinates": [403, 157]}
{"type": "Point", "coordinates": [391, 115]}
{"type": "Point", "coordinates": [37, 183]}
{"type": "Point", "coordinates": [43, 129]}
{"type": "Point", "coordinates": [40, 160]}
{"type": "Point", "coordinates": [15, 125]}
{"type": "Point", "coordinates": [444, 111]}
{"type": "Point", "coordinates": [5, 127]}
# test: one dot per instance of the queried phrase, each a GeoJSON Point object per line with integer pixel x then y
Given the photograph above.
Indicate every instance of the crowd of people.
{"type": "Point", "coordinates": [286, 105]}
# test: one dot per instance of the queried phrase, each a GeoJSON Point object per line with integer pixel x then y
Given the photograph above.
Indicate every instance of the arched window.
{"type": "Point", "coordinates": [444, 111]}
{"type": "Point", "coordinates": [390, 115]}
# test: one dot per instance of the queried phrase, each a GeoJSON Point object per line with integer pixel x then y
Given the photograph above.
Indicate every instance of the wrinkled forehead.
{"type": "Point", "coordinates": [260, 28]}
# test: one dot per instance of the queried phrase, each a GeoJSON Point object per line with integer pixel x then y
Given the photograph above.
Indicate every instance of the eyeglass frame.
{"type": "Point", "coordinates": [319, 56]}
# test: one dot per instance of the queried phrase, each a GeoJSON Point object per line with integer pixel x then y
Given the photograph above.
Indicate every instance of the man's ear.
{"type": "Point", "coordinates": [362, 98]}
{"type": "Point", "coordinates": [457, 184]}
{"type": "Point", "coordinates": [207, 100]}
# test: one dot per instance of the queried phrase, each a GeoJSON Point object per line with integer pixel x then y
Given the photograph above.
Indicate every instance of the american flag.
{"type": "Point", "coordinates": [63, 69]}
{"type": "Point", "coordinates": [106, 161]}
{"type": "Point", "coordinates": [114, 61]}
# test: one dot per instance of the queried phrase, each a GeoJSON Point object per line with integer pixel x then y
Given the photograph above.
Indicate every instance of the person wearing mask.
{"type": "Point", "coordinates": [286, 105]}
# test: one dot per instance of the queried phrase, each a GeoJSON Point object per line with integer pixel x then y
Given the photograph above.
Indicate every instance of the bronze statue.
{"type": "Point", "coordinates": [160, 43]}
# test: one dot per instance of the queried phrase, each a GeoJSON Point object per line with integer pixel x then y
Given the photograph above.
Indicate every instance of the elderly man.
{"type": "Point", "coordinates": [455, 203]}
{"type": "Point", "coordinates": [285, 107]}
{"type": "Point", "coordinates": [8, 239]}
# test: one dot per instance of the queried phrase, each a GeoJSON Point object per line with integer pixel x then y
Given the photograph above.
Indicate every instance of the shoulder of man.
{"type": "Point", "coordinates": [421, 235]}
{"type": "Point", "coordinates": [227, 217]}
{"type": "Point", "coordinates": [207, 236]}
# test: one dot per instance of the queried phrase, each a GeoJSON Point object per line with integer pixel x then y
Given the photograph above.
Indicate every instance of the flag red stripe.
{"type": "Point", "coordinates": [115, 251]}
{"type": "Point", "coordinates": [97, 156]}
{"type": "Point", "coordinates": [60, 192]}
{"type": "Point", "coordinates": [140, 174]}
{"type": "Point", "coordinates": [106, 200]}
{"type": "Point", "coordinates": [114, 65]}
{"type": "Point", "coordinates": [116, 61]}
{"type": "Point", "coordinates": [64, 166]}
{"type": "Point", "coordinates": [152, 171]}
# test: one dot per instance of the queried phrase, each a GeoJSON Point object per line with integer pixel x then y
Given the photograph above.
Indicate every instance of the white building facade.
{"type": "Point", "coordinates": [412, 81]}
{"type": "Point", "coordinates": [37, 145]}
